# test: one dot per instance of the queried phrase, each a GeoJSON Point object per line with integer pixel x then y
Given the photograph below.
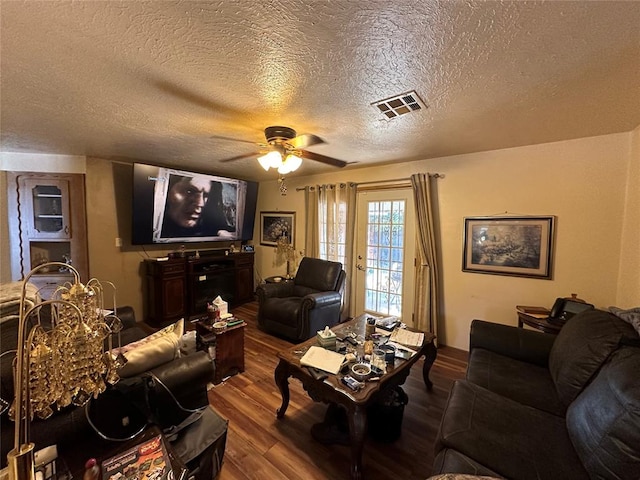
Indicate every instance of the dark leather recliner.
{"type": "Point", "coordinates": [297, 309]}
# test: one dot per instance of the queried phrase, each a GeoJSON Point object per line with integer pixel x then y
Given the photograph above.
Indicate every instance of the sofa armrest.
{"type": "Point", "coordinates": [321, 299]}
{"type": "Point", "coordinates": [127, 316]}
{"type": "Point", "coordinates": [274, 290]}
{"type": "Point", "coordinates": [186, 377]}
{"type": "Point", "coordinates": [517, 343]}
{"type": "Point", "coordinates": [178, 388]}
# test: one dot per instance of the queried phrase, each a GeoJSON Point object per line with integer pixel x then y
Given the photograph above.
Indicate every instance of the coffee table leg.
{"type": "Point", "coordinates": [282, 381]}
{"type": "Point", "coordinates": [429, 358]}
{"type": "Point", "coordinates": [357, 427]}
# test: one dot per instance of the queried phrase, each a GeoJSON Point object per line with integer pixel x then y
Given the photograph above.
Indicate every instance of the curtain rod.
{"type": "Point", "coordinates": [378, 182]}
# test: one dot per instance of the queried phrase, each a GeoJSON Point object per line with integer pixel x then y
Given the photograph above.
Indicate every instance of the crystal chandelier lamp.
{"type": "Point", "coordinates": [63, 364]}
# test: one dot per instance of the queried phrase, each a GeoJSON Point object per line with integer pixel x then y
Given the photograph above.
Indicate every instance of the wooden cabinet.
{"type": "Point", "coordinates": [226, 349]}
{"type": "Point", "coordinates": [166, 291]}
{"type": "Point", "coordinates": [50, 226]}
{"type": "Point", "coordinates": [182, 287]}
{"type": "Point", "coordinates": [48, 205]}
{"type": "Point", "coordinates": [244, 277]}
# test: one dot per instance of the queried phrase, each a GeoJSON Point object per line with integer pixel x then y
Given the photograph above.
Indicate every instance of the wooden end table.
{"type": "Point", "coordinates": [229, 345]}
{"type": "Point", "coordinates": [538, 322]}
{"type": "Point", "coordinates": [331, 390]}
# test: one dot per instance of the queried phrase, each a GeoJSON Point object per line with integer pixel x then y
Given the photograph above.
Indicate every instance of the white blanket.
{"type": "Point", "coordinates": [10, 294]}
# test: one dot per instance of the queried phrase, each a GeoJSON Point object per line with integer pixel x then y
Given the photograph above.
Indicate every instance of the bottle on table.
{"type": "Point", "coordinates": [91, 470]}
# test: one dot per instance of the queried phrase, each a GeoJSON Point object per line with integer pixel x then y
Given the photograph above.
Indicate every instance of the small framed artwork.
{"type": "Point", "coordinates": [275, 225]}
{"type": "Point", "coordinates": [516, 246]}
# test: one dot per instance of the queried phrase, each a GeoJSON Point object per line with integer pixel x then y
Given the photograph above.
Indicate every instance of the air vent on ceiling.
{"type": "Point", "coordinates": [400, 104]}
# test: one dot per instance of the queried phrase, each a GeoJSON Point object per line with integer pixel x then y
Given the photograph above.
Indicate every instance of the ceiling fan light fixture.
{"type": "Point", "coordinates": [272, 159]}
{"type": "Point", "coordinates": [290, 164]}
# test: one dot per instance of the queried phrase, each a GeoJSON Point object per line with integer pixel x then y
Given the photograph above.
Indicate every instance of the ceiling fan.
{"type": "Point", "coordinates": [285, 150]}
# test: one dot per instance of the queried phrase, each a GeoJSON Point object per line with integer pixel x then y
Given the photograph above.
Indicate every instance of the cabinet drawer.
{"type": "Point", "coordinates": [244, 259]}
{"type": "Point", "coordinates": [166, 268]}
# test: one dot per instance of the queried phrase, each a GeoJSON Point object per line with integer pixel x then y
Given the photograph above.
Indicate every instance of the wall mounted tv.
{"type": "Point", "coordinates": [177, 206]}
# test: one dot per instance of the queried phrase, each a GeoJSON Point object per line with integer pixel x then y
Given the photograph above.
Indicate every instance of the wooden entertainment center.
{"type": "Point", "coordinates": [181, 287]}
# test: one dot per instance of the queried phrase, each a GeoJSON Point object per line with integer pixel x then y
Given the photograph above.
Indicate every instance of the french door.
{"type": "Point", "coordinates": [385, 253]}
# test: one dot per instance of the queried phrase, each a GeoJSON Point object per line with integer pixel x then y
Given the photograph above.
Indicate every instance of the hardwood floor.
{"type": "Point", "coordinates": [261, 447]}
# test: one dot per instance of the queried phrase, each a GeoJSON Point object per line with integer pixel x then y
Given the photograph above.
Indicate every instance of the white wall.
{"type": "Point", "coordinates": [5, 248]}
{"type": "Point", "coordinates": [42, 162]}
{"type": "Point", "coordinates": [582, 182]}
{"type": "Point", "coordinates": [27, 162]}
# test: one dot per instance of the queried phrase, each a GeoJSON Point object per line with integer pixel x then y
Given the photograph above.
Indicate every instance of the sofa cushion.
{"type": "Point", "coordinates": [582, 346]}
{"type": "Point", "coordinates": [460, 476]}
{"type": "Point", "coordinates": [604, 421]}
{"type": "Point", "coordinates": [513, 440]}
{"type": "Point", "coordinates": [317, 275]}
{"type": "Point", "coordinates": [449, 460]}
{"type": "Point", "coordinates": [523, 382]}
{"type": "Point", "coordinates": [152, 351]}
{"type": "Point", "coordinates": [283, 310]}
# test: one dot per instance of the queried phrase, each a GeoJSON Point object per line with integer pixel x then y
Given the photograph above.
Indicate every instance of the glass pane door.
{"type": "Point", "coordinates": [385, 258]}
{"type": "Point", "coordinates": [49, 205]}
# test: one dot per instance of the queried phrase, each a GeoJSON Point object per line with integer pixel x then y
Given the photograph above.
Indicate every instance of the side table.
{"type": "Point", "coordinates": [228, 349]}
{"type": "Point", "coordinates": [277, 279]}
{"type": "Point", "coordinates": [537, 321]}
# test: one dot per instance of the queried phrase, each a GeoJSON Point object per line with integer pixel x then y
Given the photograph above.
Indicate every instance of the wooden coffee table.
{"type": "Point", "coordinates": [331, 390]}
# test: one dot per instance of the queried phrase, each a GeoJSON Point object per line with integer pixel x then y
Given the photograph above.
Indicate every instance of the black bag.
{"type": "Point", "coordinates": [114, 416]}
{"type": "Point", "coordinates": [384, 416]}
{"type": "Point", "coordinates": [201, 445]}
{"type": "Point", "coordinates": [176, 392]}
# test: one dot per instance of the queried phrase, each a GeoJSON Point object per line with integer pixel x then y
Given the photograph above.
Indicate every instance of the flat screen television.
{"type": "Point", "coordinates": [178, 206]}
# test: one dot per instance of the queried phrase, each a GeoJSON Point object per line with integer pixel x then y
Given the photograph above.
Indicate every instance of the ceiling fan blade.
{"type": "Point", "coordinates": [322, 158]}
{"type": "Point", "coordinates": [239, 157]}
{"type": "Point", "coordinates": [305, 140]}
{"type": "Point", "coordinates": [230, 139]}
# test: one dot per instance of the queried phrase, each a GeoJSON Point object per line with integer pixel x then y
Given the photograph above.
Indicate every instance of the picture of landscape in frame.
{"type": "Point", "coordinates": [518, 246]}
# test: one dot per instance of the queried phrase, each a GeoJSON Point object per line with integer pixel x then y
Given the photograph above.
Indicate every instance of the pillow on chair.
{"type": "Point", "coordinates": [152, 351]}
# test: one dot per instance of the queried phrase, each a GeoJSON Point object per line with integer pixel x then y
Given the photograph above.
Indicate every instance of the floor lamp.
{"type": "Point", "coordinates": [62, 365]}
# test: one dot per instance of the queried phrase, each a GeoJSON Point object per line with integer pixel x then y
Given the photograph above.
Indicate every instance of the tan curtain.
{"type": "Point", "coordinates": [311, 234]}
{"type": "Point", "coordinates": [427, 286]}
{"type": "Point", "coordinates": [333, 206]}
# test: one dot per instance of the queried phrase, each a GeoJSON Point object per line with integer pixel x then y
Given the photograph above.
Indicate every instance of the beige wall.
{"type": "Point", "coordinates": [629, 276]}
{"type": "Point", "coordinates": [582, 182]}
{"type": "Point", "coordinates": [108, 192]}
{"type": "Point", "coordinates": [585, 183]}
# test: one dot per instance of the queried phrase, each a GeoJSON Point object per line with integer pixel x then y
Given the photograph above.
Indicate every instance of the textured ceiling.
{"type": "Point", "coordinates": [156, 80]}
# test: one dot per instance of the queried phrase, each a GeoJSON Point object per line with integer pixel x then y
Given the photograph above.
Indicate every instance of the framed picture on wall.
{"type": "Point", "coordinates": [516, 246]}
{"type": "Point", "coordinates": [275, 225]}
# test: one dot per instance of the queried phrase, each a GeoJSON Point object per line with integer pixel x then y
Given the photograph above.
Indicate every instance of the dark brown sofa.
{"type": "Point", "coordinates": [537, 406]}
{"type": "Point", "coordinates": [171, 395]}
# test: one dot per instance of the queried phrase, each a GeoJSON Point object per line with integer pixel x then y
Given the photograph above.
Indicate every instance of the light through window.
{"type": "Point", "coordinates": [333, 231]}
{"type": "Point", "coordinates": [385, 257]}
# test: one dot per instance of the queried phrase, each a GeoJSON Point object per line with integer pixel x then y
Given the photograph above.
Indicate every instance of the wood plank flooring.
{"type": "Point", "coordinates": [259, 446]}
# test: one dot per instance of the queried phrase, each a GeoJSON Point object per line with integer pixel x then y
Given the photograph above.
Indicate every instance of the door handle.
{"type": "Point", "coordinates": [360, 267]}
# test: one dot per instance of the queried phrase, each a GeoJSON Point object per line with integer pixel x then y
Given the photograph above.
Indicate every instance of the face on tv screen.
{"type": "Point", "coordinates": [177, 206]}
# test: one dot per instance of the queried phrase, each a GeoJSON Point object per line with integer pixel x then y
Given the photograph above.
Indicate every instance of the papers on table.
{"type": "Point", "coordinates": [387, 323]}
{"type": "Point", "coordinates": [323, 359]}
{"type": "Point", "coordinates": [405, 337]}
